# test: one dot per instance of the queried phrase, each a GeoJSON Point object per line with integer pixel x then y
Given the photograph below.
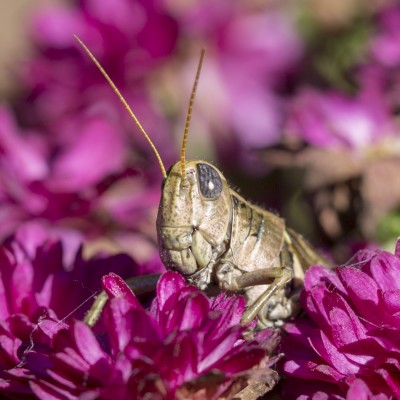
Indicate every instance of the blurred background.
{"type": "Point", "coordinates": [297, 105]}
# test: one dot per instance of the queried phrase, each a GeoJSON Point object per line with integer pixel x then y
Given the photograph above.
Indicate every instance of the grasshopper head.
{"type": "Point", "coordinates": [193, 217]}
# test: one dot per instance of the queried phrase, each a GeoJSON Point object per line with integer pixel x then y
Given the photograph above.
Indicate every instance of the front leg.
{"type": "Point", "coordinates": [231, 278]}
{"type": "Point", "coordinates": [278, 283]}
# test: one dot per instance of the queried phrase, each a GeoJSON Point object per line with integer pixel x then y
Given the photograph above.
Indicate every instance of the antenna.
{"type": "Point", "coordinates": [124, 102]}
{"type": "Point", "coordinates": [189, 114]}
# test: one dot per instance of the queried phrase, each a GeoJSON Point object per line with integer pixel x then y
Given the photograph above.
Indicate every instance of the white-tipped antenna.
{"type": "Point", "coordinates": [189, 114]}
{"type": "Point", "coordinates": [124, 102]}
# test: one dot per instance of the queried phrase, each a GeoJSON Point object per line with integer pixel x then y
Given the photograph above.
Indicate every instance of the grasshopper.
{"type": "Point", "coordinates": [217, 239]}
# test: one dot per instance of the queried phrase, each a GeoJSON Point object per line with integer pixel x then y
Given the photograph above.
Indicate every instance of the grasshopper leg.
{"type": "Point", "coordinates": [139, 285]}
{"type": "Point", "coordinates": [277, 284]}
{"type": "Point", "coordinates": [231, 278]}
{"type": "Point", "coordinates": [253, 278]}
{"type": "Point", "coordinates": [277, 278]}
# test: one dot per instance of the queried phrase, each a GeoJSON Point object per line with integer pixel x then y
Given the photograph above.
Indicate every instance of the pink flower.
{"type": "Point", "coordinates": [352, 329]}
{"type": "Point", "coordinates": [333, 120]}
{"type": "Point", "coordinates": [34, 170]}
{"type": "Point", "coordinates": [186, 344]}
{"type": "Point", "coordinates": [128, 37]}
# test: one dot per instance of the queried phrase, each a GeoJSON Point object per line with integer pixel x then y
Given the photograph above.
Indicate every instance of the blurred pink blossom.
{"type": "Point", "coordinates": [250, 55]}
{"type": "Point", "coordinates": [84, 185]}
{"type": "Point", "coordinates": [332, 120]}
{"type": "Point", "coordinates": [130, 39]}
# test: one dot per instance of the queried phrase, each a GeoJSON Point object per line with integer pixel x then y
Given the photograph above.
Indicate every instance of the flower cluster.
{"type": "Point", "coordinates": [349, 341]}
{"type": "Point", "coordinates": [186, 344]}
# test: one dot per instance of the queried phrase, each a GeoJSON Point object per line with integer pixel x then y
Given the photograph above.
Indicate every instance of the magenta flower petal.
{"type": "Point", "coordinates": [362, 290]}
{"type": "Point", "coordinates": [180, 355]}
{"type": "Point", "coordinates": [20, 154]}
{"type": "Point", "coordinates": [327, 350]}
{"type": "Point", "coordinates": [97, 138]}
{"type": "Point", "coordinates": [383, 46]}
{"type": "Point", "coordinates": [116, 287]}
{"type": "Point", "coordinates": [343, 327]}
{"type": "Point", "coordinates": [124, 321]}
{"type": "Point", "coordinates": [335, 302]}
{"type": "Point", "coordinates": [5, 304]}
{"type": "Point", "coordinates": [367, 351]}
{"type": "Point", "coordinates": [10, 346]}
{"type": "Point", "coordinates": [35, 277]}
{"type": "Point", "coordinates": [53, 24]}
{"type": "Point", "coordinates": [324, 276]}
{"type": "Point", "coordinates": [169, 287]}
{"type": "Point", "coordinates": [313, 302]}
{"type": "Point", "coordinates": [313, 370]}
{"type": "Point", "coordinates": [88, 347]}
{"type": "Point", "coordinates": [119, 326]}
{"type": "Point", "coordinates": [391, 377]}
{"type": "Point", "coordinates": [234, 306]}
{"type": "Point", "coordinates": [47, 392]}
{"type": "Point", "coordinates": [21, 283]}
{"type": "Point", "coordinates": [144, 330]}
{"type": "Point", "coordinates": [196, 306]}
{"type": "Point", "coordinates": [359, 390]}
{"type": "Point", "coordinates": [301, 331]}
{"type": "Point", "coordinates": [391, 302]}
{"type": "Point", "coordinates": [219, 350]}
{"type": "Point", "coordinates": [240, 361]}
{"type": "Point", "coordinates": [385, 270]}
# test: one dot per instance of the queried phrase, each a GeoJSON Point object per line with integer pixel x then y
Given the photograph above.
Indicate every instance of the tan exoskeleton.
{"type": "Point", "coordinates": [215, 238]}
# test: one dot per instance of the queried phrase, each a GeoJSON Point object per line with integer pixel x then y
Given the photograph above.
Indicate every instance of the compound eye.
{"type": "Point", "coordinates": [209, 181]}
